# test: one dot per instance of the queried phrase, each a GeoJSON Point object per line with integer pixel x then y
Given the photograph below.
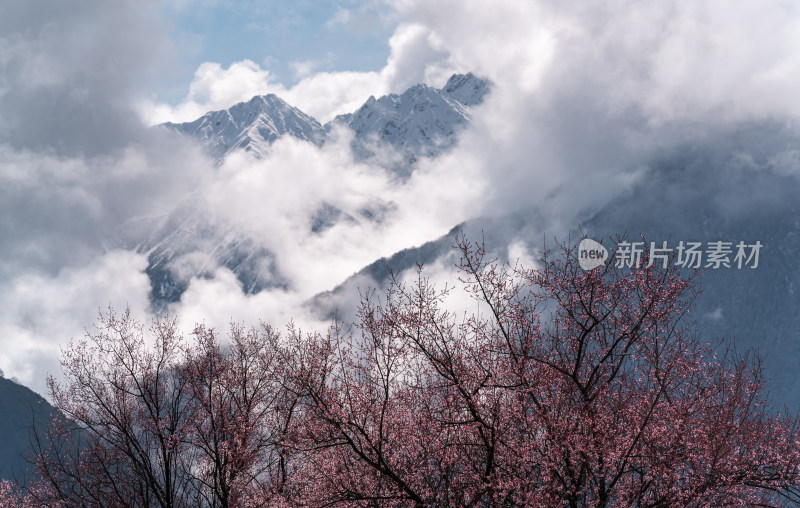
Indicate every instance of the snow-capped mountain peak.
{"type": "Point", "coordinates": [421, 122]}
{"type": "Point", "coordinates": [250, 126]}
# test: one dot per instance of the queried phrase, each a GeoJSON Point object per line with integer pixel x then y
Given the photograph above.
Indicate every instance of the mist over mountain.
{"type": "Point", "coordinates": [736, 185]}
{"type": "Point", "coordinates": [392, 132]}
{"type": "Point", "coordinates": [290, 177]}
{"type": "Point", "coordinates": [726, 184]}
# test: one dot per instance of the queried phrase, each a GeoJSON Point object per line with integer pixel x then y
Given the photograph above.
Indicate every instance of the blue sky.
{"type": "Point", "coordinates": [290, 39]}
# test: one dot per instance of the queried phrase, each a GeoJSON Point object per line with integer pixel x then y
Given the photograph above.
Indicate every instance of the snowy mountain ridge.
{"type": "Point", "coordinates": [250, 126]}
{"type": "Point", "coordinates": [421, 122]}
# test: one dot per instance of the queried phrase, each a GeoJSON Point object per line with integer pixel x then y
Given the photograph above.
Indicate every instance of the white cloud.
{"type": "Point", "coordinates": [214, 88]}
{"type": "Point", "coordinates": [273, 200]}
{"type": "Point", "coordinates": [674, 60]}
{"type": "Point", "coordinates": [40, 312]}
{"type": "Point", "coordinates": [417, 56]}
{"type": "Point", "coordinates": [519, 255]}
{"type": "Point", "coordinates": [305, 68]}
{"type": "Point", "coordinates": [321, 95]}
{"type": "Point", "coordinates": [327, 94]}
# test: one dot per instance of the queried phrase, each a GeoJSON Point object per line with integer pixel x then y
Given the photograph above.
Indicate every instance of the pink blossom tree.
{"type": "Point", "coordinates": [565, 388]}
{"type": "Point", "coordinates": [570, 388]}
{"type": "Point", "coordinates": [119, 439]}
{"type": "Point", "coordinates": [240, 413]}
{"type": "Point", "coordinates": [149, 418]}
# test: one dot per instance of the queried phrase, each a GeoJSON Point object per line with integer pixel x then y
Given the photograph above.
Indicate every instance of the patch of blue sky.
{"type": "Point", "coordinates": [291, 39]}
